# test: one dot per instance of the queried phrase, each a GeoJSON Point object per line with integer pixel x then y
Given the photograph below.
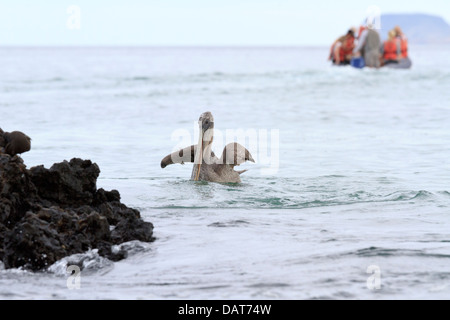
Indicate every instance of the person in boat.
{"type": "Point", "coordinates": [401, 41]}
{"type": "Point", "coordinates": [342, 49]}
{"type": "Point", "coordinates": [391, 49]}
{"type": "Point", "coordinates": [369, 46]}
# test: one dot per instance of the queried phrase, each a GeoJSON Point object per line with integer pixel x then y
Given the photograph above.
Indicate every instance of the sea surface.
{"type": "Point", "coordinates": [349, 197]}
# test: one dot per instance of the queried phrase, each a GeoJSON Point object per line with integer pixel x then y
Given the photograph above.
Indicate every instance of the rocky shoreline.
{"type": "Point", "coordinates": [48, 214]}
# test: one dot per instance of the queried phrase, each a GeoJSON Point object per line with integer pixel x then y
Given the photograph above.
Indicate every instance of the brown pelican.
{"type": "Point", "coordinates": [207, 167]}
{"type": "Point", "coordinates": [15, 142]}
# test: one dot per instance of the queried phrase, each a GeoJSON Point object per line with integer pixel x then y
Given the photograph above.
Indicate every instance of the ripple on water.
{"type": "Point", "coordinates": [387, 252]}
{"type": "Point", "coordinates": [269, 285]}
{"type": "Point", "coordinates": [227, 224]}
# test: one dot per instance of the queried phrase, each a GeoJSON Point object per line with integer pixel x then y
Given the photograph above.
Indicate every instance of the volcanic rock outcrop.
{"type": "Point", "coordinates": [47, 214]}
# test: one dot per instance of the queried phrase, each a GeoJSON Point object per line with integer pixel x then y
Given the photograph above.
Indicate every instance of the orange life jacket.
{"type": "Point", "coordinates": [390, 50]}
{"type": "Point", "coordinates": [404, 47]}
{"type": "Point", "coordinates": [347, 45]}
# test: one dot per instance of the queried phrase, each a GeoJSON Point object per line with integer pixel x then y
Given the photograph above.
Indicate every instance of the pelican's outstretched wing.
{"type": "Point", "coordinates": [182, 156]}
{"type": "Point", "coordinates": [235, 154]}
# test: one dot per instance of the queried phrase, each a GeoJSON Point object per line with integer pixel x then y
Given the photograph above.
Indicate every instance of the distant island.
{"type": "Point", "coordinates": [419, 28]}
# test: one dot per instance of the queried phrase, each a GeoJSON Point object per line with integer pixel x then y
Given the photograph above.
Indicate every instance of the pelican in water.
{"type": "Point", "coordinates": [207, 167]}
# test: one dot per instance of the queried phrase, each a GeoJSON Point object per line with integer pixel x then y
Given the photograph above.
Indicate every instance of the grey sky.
{"type": "Point", "coordinates": [193, 22]}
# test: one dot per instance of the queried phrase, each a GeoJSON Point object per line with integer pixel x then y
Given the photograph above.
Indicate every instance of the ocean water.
{"type": "Point", "coordinates": [350, 199]}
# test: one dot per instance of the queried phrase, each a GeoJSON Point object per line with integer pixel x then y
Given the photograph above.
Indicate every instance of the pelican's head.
{"type": "Point", "coordinates": [205, 138]}
{"type": "Point", "coordinates": [206, 126]}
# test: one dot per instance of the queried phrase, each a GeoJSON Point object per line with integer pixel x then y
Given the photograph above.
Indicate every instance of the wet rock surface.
{"type": "Point", "coordinates": [48, 214]}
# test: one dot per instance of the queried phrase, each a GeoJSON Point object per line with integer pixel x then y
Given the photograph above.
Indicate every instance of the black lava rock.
{"type": "Point", "coordinates": [47, 214]}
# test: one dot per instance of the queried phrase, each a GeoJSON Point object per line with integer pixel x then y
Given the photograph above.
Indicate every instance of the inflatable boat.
{"type": "Point", "coordinates": [405, 63]}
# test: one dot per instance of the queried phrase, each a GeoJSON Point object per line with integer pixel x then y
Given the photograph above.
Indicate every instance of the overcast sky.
{"type": "Point", "coordinates": [192, 22]}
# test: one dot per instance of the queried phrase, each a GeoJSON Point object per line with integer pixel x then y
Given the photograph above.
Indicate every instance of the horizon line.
{"type": "Point", "coordinates": [161, 46]}
{"type": "Point", "coordinates": [126, 46]}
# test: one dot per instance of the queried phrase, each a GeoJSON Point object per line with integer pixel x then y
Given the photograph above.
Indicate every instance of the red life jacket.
{"type": "Point", "coordinates": [390, 50]}
{"type": "Point", "coordinates": [404, 47]}
{"type": "Point", "coordinates": [347, 48]}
